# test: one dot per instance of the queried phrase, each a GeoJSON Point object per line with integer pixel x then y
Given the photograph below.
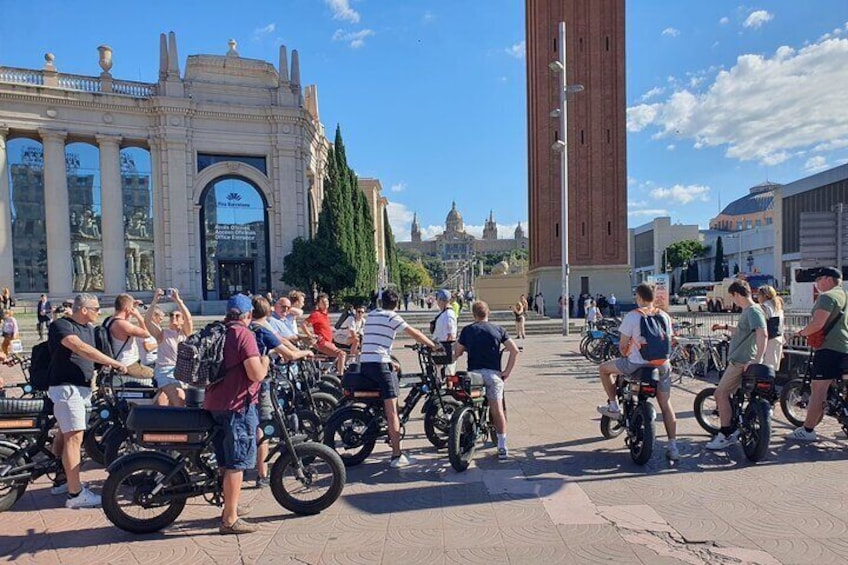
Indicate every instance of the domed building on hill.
{"type": "Point", "coordinates": [455, 245]}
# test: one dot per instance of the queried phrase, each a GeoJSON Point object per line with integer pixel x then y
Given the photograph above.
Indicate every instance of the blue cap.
{"type": "Point", "coordinates": [443, 295]}
{"type": "Point", "coordinates": [240, 304]}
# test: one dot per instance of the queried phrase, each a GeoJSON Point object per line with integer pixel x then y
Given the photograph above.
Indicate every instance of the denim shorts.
{"type": "Point", "coordinates": [235, 443]}
{"type": "Point", "coordinates": [163, 375]}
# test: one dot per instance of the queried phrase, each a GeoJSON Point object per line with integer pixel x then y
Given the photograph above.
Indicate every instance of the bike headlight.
{"type": "Point", "coordinates": [105, 413]}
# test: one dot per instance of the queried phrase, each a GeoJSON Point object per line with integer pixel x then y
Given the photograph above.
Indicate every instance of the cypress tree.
{"type": "Point", "coordinates": [718, 267]}
{"type": "Point", "coordinates": [392, 262]}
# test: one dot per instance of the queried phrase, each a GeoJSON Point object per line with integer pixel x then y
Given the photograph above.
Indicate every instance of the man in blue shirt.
{"type": "Point", "coordinates": [483, 341]}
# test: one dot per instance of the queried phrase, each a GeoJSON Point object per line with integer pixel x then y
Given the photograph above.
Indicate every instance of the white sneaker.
{"type": "Point", "coordinates": [401, 461]}
{"type": "Point", "coordinates": [722, 441]}
{"type": "Point", "coordinates": [672, 453]}
{"type": "Point", "coordinates": [800, 434]}
{"type": "Point", "coordinates": [63, 488]}
{"type": "Point", "coordinates": [609, 410]}
{"type": "Point", "coordinates": [85, 499]}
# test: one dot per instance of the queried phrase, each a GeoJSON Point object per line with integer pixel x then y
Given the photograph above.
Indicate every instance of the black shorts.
{"type": "Point", "coordinates": [829, 364]}
{"type": "Point", "coordinates": [382, 375]}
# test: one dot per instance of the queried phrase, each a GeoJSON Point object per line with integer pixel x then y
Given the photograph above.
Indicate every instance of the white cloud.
{"type": "Point", "coordinates": [684, 194]}
{"type": "Point", "coordinates": [356, 38]}
{"type": "Point", "coordinates": [400, 219]}
{"type": "Point", "coordinates": [653, 93]}
{"type": "Point", "coordinates": [398, 187]}
{"type": "Point", "coordinates": [724, 21]}
{"type": "Point", "coordinates": [756, 19]}
{"type": "Point", "coordinates": [763, 108]}
{"type": "Point", "coordinates": [816, 164]}
{"type": "Point", "coordinates": [342, 11]}
{"type": "Point", "coordinates": [670, 32]}
{"type": "Point", "coordinates": [654, 212]}
{"type": "Point", "coordinates": [429, 17]}
{"type": "Point", "coordinates": [262, 32]}
{"type": "Point", "coordinates": [671, 147]}
{"type": "Point", "coordinates": [518, 50]}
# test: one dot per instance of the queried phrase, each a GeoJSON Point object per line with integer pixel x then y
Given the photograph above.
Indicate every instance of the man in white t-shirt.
{"type": "Point", "coordinates": [630, 345]}
{"type": "Point", "coordinates": [350, 332]}
{"type": "Point", "coordinates": [446, 328]}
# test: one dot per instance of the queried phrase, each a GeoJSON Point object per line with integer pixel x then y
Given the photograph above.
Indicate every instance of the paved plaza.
{"type": "Point", "coordinates": [568, 496]}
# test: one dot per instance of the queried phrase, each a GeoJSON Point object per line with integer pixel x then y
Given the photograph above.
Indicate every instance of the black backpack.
{"type": "Point", "coordinates": [654, 331]}
{"type": "Point", "coordinates": [39, 368]}
{"type": "Point", "coordinates": [200, 358]}
{"type": "Point", "coordinates": [103, 340]}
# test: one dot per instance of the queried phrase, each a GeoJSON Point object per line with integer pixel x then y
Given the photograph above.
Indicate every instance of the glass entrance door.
{"type": "Point", "coordinates": [235, 277]}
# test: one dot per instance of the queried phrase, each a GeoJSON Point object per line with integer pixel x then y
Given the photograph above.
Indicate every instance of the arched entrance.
{"type": "Point", "coordinates": [234, 238]}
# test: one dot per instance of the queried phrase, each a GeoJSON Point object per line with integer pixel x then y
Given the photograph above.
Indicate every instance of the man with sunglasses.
{"type": "Point", "coordinates": [73, 355]}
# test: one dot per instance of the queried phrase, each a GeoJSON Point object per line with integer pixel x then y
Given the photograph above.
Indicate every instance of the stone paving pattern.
{"type": "Point", "coordinates": [569, 496]}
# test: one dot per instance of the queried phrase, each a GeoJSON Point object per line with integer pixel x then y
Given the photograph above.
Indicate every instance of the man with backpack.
{"type": "Point", "coordinates": [645, 342]}
{"type": "Point", "coordinates": [747, 345]}
{"type": "Point", "coordinates": [829, 325]}
{"type": "Point", "coordinates": [232, 399]}
{"type": "Point", "coordinates": [71, 345]}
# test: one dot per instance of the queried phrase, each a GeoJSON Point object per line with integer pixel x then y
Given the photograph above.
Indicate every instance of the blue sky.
{"type": "Point", "coordinates": [431, 94]}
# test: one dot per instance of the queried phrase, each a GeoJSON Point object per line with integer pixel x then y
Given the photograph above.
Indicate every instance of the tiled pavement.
{"type": "Point", "coordinates": [569, 496]}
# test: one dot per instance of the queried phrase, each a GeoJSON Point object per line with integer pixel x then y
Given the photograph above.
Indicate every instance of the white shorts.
{"type": "Point", "coordinates": [494, 383]}
{"type": "Point", "coordinates": [71, 406]}
{"type": "Point", "coordinates": [164, 376]}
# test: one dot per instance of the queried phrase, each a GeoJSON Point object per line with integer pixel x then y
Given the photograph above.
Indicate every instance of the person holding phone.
{"type": "Point", "coordinates": [180, 326]}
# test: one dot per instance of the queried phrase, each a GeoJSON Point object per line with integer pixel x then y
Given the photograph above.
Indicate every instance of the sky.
{"type": "Point", "coordinates": [431, 94]}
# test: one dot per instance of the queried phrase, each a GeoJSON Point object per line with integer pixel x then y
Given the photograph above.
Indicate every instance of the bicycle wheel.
{"type": "Point", "coordinates": [596, 349]}
{"type": "Point", "coordinates": [437, 421]}
{"type": "Point", "coordinates": [318, 486]}
{"type": "Point", "coordinates": [126, 489]}
{"type": "Point", "coordinates": [611, 428]}
{"type": "Point", "coordinates": [11, 492]}
{"type": "Point", "coordinates": [756, 430]}
{"type": "Point", "coordinates": [349, 432]}
{"type": "Point", "coordinates": [462, 442]}
{"type": "Point", "coordinates": [794, 401]}
{"type": "Point", "coordinates": [643, 432]}
{"type": "Point", "coordinates": [706, 411]}
{"type": "Point", "coordinates": [325, 405]}
{"type": "Point", "coordinates": [92, 439]}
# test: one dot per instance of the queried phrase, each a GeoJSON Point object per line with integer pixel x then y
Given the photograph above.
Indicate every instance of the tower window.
{"type": "Point", "coordinates": [556, 229]}
{"type": "Point", "coordinates": [555, 44]}
{"type": "Point", "coordinates": [583, 229]}
{"type": "Point", "coordinates": [580, 43]}
{"type": "Point", "coordinates": [608, 136]}
{"type": "Point", "coordinates": [607, 43]}
{"type": "Point", "coordinates": [582, 138]}
{"type": "Point", "coordinates": [556, 135]}
{"type": "Point", "coordinates": [609, 228]}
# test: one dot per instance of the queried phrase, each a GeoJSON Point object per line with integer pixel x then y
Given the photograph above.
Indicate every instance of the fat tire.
{"type": "Point", "coordinates": [332, 380]}
{"type": "Point", "coordinates": [461, 447]}
{"type": "Point", "coordinates": [115, 513]}
{"type": "Point", "coordinates": [114, 444]}
{"type": "Point", "coordinates": [643, 422]}
{"type": "Point", "coordinates": [367, 441]}
{"type": "Point", "coordinates": [611, 428]}
{"type": "Point", "coordinates": [758, 422]}
{"type": "Point", "coordinates": [314, 429]}
{"type": "Point", "coordinates": [11, 493]}
{"type": "Point", "coordinates": [435, 414]}
{"type": "Point", "coordinates": [698, 408]}
{"type": "Point", "coordinates": [325, 405]}
{"type": "Point", "coordinates": [92, 440]}
{"type": "Point", "coordinates": [312, 452]}
{"type": "Point", "coordinates": [795, 387]}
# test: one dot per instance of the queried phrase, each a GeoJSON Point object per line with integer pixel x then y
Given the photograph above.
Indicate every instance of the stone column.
{"type": "Point", "coordinates": [7, 267]}
{"type": "Point", "coordinates": [112, 219]}
{"type": "Point", "coordinates": [57, 215]}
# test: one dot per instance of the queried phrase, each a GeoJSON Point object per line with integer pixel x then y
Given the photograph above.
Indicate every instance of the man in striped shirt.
{"type": "Point", "coordinates": [379, 334]}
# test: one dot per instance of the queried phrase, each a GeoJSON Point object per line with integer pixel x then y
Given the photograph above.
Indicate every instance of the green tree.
{"type": "Point", "coordinates": [413, 275]}
{"type": "Point", "coordinates": [680, 253]}
{"type": "Point", "coordinates": [313, 263]}
{"type": "Point", "coordinates": [718, 266]}
{"type": "Point", "coordinates": [436, 268]}
{"type": "Point", "coordinates": [392, 262]}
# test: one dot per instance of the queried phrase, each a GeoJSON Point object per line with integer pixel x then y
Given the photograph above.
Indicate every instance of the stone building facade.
{"type": "Point", "coordinates": [596, 138]}
{"type": "Point", "coordinates": [199, 181]}
{"type": "Point", "coordinates": [455, 246]}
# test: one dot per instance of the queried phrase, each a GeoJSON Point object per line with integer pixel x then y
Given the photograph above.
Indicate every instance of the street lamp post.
{"type": "Point", "coordinates": [561, 145]}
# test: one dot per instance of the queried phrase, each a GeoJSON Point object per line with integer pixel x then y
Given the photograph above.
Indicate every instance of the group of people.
{"type": "Point", "coordinates": [757, 338]}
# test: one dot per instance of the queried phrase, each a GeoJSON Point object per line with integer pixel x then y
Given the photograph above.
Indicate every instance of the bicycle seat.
{"type": "Point", "coordinates": [169, 419]}
{"type": "Point", "coordinates": [20, 406]}
{"type": "Point", "coordinates": [759, 372]}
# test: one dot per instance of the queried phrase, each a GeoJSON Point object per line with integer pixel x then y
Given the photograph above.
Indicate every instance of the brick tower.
{"type": "Point", "coordinates": [597, 165]}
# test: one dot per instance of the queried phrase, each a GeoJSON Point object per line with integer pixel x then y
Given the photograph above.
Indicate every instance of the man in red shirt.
{"type": "Point", "coordinates": [232, 401]}
{"type": "Point", "coordinates": [322, 329]}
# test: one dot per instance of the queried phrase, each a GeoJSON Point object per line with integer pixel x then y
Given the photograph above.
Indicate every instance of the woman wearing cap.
{"type": "Point", "coordinates": [772, 305]}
